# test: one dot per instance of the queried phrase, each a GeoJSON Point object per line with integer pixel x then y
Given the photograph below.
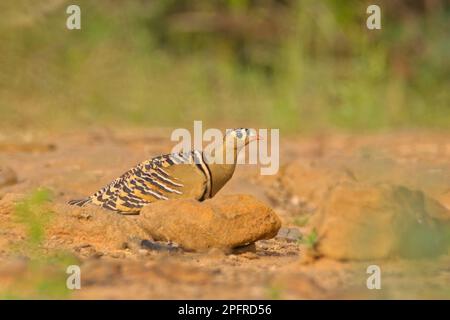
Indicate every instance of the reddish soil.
{"type": "Point", "coordinates": [73, 165]}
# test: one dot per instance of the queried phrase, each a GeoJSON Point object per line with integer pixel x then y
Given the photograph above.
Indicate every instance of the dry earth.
{"type": "Point", "coordinates": [344, 202]}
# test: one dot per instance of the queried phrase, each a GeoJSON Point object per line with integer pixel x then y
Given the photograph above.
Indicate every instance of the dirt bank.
{"type": "Point", "coordinates": [329, 188]}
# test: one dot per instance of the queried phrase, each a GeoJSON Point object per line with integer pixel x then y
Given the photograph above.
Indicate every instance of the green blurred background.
{"type": "Point", "coordinates": [295, 65]}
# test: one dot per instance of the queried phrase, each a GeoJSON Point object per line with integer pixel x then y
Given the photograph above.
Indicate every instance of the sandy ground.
{"type": "Point", "coordinates": [75, 164]}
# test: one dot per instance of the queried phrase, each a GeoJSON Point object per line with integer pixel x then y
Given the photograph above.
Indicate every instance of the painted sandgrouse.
{"type": "Point", "coordinates": [179, 175]}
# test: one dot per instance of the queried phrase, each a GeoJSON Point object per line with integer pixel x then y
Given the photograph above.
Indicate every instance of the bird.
{"type": "Point", "coordinates": [189, 175]}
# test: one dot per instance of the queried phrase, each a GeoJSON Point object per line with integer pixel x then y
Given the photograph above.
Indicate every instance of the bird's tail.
{"type": "Point", "coordinates": [80, 202]}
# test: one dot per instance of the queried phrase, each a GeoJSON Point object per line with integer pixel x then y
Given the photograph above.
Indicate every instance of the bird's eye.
{"type": "Point", "coordinates": [239, 134]}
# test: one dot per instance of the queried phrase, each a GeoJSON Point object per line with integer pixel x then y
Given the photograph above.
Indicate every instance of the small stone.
{"type": "Point", "coordinates": [158, 246]}
{"type": "Point", "coordinates": [133, 243]}
{"type": "Point", "coordinates": [289, 234]}
{"type": "Point", "coordinates": [250, 255]}
{"type": "Point", "coordinates": [84, 216]}
{"type": "Point", "coordinates": [143, 252]}
{"type": "Point", "coordinates": [97, 254]}
{"type": "Point", "coordinates": [295, 201]}
{"type": "Point", "coordinates": [216, 253]}
{"type": "Point", "coordinates": [81, 246]}
{"type": "Point", "coordinates": [243, 249]}
{"type": "Point", "coordinates": [117, 255]}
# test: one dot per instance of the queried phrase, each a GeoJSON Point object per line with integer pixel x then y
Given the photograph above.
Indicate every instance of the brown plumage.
{"type": "Point", "coordinates": [171, 176]}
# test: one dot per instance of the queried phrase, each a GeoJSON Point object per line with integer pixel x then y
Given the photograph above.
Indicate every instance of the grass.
{"type": "Point", "coordinates": [301, 221]}
{"type": "Point", "coordinates": [310, 240]}
{"type": "Point", "coordinates": [44, 277]}
{"type": "Point", "coordinates": [33, 214]}
{"type": "Point", "coordinates": [145, 64]}
{"type": "Point", "coordinates": [274, 292]}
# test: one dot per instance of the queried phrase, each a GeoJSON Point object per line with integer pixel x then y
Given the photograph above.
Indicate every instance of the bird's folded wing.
{"type": "Point", "coordinates": [161, 178]}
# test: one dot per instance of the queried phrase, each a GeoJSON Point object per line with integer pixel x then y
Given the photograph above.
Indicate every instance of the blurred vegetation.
{"type": "Point", "coordinates": [310, 240]}
{"type": "Point", "coordinates": [33, 214]}
{"type": "Point", "coordinates": [274, 291]}
{"type": "Point", "coordinates": [295, 65]}
{"type": "Point", "coordinates": [44, 276]}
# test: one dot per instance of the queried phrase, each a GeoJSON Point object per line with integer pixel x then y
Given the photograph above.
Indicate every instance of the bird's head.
{"type": "Point", "coordinates": [240, 137]}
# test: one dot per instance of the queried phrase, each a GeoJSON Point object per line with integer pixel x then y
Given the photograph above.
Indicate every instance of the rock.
{"type": "Point", "coordinates": [250, 248]}
{"type": "Point", "coordinates": [7, 176]}
{"type": "Point", "coordinates": [310, 182]}
{"type": "Point", "coordinates": [289, 234]}
{"type": "Point", "coordinates": [104, 230]}
{"type": "Point", "coordinates": [222, 222]}
{"type": "Point", "coordinates": [158, 246]}
{"type": "Point", "coordinates": [431, 178]}
{"type": "Point", "coordinates": [301, 187]}
{"type": "Point", "coordinates": [372, 221]}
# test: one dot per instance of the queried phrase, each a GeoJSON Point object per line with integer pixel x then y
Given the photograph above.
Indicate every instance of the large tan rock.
{"type": "Point", "coordinates": [310, 182]}
{"type": "Point", "coordinates": [222, 222]}
{"type": "Point", "coordinates": [364, 221]}
{"type": "Point", "coordinates": [301, 186]}
{"type": "Point", "coordinates": [91, 227]}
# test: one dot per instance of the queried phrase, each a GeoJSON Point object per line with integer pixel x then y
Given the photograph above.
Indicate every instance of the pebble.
{"type": "Point", "coordinates": [117, 255]}
{"type": "Point", "coordinates": [250, 255]}
{"type": "Point", "coordinates": [143, 252]}
{"type": "Point", "coordinates": [243, 249]}
{"type": "Point", "coordinates": [159, 246]}
{"type": "Point", "coordinates": [289, 234]}
{"type": "Point", "coordinates": [232, 257]}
